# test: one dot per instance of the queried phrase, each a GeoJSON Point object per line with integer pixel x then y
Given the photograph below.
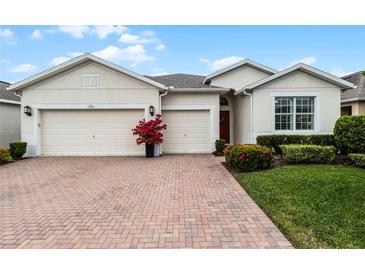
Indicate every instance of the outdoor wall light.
{"type": "Point", "coordinates": [28, 110]}
{"type": "Point", "coordinates": [152, 110]}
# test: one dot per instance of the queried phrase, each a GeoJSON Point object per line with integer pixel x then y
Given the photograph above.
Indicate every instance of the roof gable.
{"type": "Point", "coordinates": [358, 93]}
{"type": "Point", "coordinates": [304, 68]}
{"type": "Point", "coordinates": [245, 62]}
{"type": "Point", "coordinates": [72, 79]}
{"type": "Point", "coordinates": [76, 62]}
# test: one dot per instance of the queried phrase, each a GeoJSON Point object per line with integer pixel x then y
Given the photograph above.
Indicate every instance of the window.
{"type": "Point", "coordinates": [294, 113]}
{"type": "Point", "coordinates": [90, 80]}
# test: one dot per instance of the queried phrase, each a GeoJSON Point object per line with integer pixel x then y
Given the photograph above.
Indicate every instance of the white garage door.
{"type": "Point", "coordinates": [188, 131]}
{"type": "Point", "coordinates": [90, 132]}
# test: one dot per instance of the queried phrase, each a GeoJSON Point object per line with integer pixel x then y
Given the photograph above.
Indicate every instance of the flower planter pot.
{"type": "Point", "coordinates": [150, 150]}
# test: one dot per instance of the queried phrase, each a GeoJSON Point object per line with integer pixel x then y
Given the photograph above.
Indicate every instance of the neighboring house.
{"type": "Point", "coordinates": [353, 100]}
{"type": "Point", "coordinates": [9, 116]}
{"type": "Point", "coordinates": [87, 106]}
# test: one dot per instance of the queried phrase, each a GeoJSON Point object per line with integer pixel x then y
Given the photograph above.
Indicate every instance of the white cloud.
{"type": "Point", "coordinates": [220, 63]}
{"type": "Point", "coordinates": [310, 60]}
{"type": "Point", "coordinates": [74, 54]}
{"type": "Point", "coordinates": [135, 54]}
{"type": "Point", "coordinates": [129, 38]}
{"type": "Point", "coordinates": [158, 72]}
{"type": "Point", "coordinates": [341, 72]}
{"type": "Point", "coordinates": [103, 31]}
{"type": "Point", "coordinates": [23, 68]}
{"type": "Point", "coordinates": [6, 33]}
{"type": "Point", "coordinates": [61, 59]}
{"type": "Point", "coordinates": [160, 47]}
{"type": "Point", "coordinates": [37, 34]}
{"type": "Point", "coordinates": [75, 31]}
{"type": "Point", "coordinates": [145, 37]}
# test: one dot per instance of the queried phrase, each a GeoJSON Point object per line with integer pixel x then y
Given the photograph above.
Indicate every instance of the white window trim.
{"type": "Point", "coordinates": [91, 75]}
{"type": "Point", "coordinates": [317, 111]}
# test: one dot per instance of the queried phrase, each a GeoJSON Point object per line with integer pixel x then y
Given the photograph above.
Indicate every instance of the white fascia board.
{"type": "Point", "coordinates": [239, 64]}
{"type": "Point", "coordinates": [305, 68]}
{"type": "Point", "coordinates": [353, 100]}
{"type": "Point", "coordinates": [10, 102]}
{"type": "Point", "coordinates": [200, 90]}
{"type": "Point", "coordinates": [74, 62]}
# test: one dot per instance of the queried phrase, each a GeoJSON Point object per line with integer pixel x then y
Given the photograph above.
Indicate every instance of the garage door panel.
{"type": "Point", "coordinates": [90, 132]}
{"type": "Point", "coordinates": [188, 131]}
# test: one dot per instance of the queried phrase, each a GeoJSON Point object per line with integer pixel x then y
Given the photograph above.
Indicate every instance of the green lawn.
{"type": "Point", "coordinates": [316, 206]}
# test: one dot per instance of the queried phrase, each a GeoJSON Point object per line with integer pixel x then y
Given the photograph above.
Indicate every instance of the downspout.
{"type": "Point", "coordinates": [18, 95]}
{"type": "Point", "coordinates": [245, 92]}
{"type": "Point", "coordinates": [162, 95]}
{"type": "Point", "coordinates": [159, 152]}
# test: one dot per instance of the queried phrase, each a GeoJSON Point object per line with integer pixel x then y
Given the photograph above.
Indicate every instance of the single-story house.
{"type": "Point", "coordinates": [87, 106]}
{"type": "Point", "coordinates": [9, 116]}
{"type": "Point", "coordinates": [353, 100]}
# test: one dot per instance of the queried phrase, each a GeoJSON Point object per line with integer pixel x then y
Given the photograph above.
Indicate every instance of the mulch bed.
{"type": "Point", "coordinates": [218, 154]}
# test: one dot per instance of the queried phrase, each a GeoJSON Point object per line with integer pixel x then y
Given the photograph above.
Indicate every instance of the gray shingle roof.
{"type": "Point", "coordinates": [181, 80]}
{"type": "Point", "coordinates": [5, 94]}
{"type": "Point", "coordinates": [358, 93]}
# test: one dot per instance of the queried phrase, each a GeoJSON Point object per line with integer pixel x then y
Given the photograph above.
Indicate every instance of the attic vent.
{"type": "Point", "coordinates": [90, 80]}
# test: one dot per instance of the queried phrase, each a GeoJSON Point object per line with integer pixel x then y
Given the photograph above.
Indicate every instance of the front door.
{"type": "Point", "coordinates": [224, 125]}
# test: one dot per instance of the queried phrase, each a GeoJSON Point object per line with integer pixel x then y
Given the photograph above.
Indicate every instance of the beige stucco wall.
{"type": "Point", "coordinates": [242, 113]}
{"type": "Point", "coordinates": [196, 101]}
{"type": "Point", "coordinates": [358, 108]}
{"type": "Point", "coordinates": [296, 84]}
{"type": "Point", "coordinates": [362, 108]}
{"type": "Point", "coordinates": [66, 88]}
{"type": "Point", "coordinates": [236, 79]}
{"type": "Point", "coordinates": [239, 77]}
{"type": "Point", "coordinates": [9, 123]}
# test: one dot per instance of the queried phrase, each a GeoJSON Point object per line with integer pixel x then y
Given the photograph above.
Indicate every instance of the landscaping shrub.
{"type": "Point", "coordinates": [17, 149]}
{"type": "Point", "coordinates": [5, 156]}
{"type": "Point", "coordinates": [227, 153]}
{"type": "Point", "coordinates": [149, 132]}
{"type": "Point", "coordinates": [308, 153]}
{"type": "Point", "coordinates": [276, 140]}
{"type": "Point", "coordinates": [219, 145]}
{"type": "Point", "coordinates": [247, 157]}
{"type": "Point", "coordinates": [358, 159]}
{"type": "Point", "coordinates": [349, 134]}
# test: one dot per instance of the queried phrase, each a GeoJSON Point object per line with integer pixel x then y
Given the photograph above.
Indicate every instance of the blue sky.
{"type": "Point", "coordinates": [155, 50]}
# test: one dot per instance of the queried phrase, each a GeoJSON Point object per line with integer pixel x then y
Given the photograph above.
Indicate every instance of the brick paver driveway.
{"type": "Point", "coordinates": [186, 201]}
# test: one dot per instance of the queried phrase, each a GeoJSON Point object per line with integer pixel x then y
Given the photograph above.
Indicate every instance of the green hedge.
{"type": "Point", "coordinates": [276, 140]}
{"type": "Point", "coordinates": [350, 134]}
{"type": "Point", "coordinates": [358, 159]}
{"type": "Point", "coordinates": [219, 145]}
{"type": "Point", "coordinates": [17, 149]}
{"type": "Point", "coordinates": [5, 156]}
{"type": "Point", "coordinates": [308, 153]}
{"type": "Point", "coordinates": [248, 157]}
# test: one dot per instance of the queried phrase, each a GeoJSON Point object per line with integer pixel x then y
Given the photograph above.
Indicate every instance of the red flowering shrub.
{"type": "Point", "coordinates": [248, 157]}
{"type": "Point", "coordinates": [149, 132]}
